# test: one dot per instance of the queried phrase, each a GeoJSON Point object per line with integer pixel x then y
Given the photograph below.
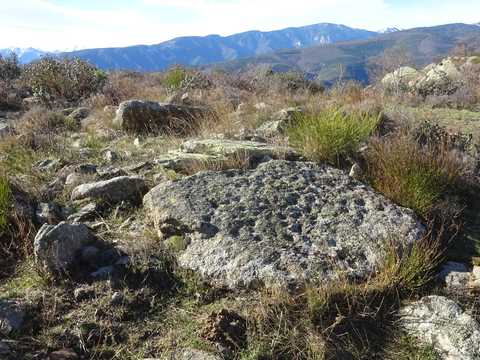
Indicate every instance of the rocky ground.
{"type": "Point", "coordinates": [176, 231]}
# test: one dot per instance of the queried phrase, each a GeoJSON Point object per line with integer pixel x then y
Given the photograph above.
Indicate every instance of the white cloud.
{"type": "Point", "coordinates": [43, 24]}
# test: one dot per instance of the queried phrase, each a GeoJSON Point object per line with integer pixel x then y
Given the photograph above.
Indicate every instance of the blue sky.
{"type": "Point", "coordinates": [70, 24]}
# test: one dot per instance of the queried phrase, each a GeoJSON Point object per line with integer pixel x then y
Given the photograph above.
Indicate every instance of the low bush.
{"type": "Point", "coordinates": [332, 135]}
{"type": "Point", "coordinates": [415, 176]}
{"type": "Point", "coordinates": [64, 81]}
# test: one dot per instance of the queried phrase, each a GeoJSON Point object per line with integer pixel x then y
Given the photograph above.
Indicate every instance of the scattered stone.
{"type": "Point", "coordinates": [230, 148]}
{"type": "Point", "coordinates": [86, 213]}
{"type": "Point", "coordinates": [83, 293]}
{"type": "Point", "coordinates": [110, 172]}
{"type": "Point", "coordinates": [475, 280]}
{"type": "Point", "coordinates": [280, 123]}
{"type": "Point", "coordinates": [49, 213]}
{"type": "Point", "coordinates": [280, 223]}
{"type": "Point", "coordinates": [11, 317]}
{"type": "Point", "coordinates": [117, 299]}
{"type": "Point", "coordinates": [66, 354]}
{"type": "Point", "coordinates": [147, 116]}
{"type": "Point", "coordinates": [144, 165]}
{"type": "Point", "coordinates": [104, 273]}
{"type": "Point", "coordinates": [47, 164]}
{"type": "Point", "coordinates": [56, 246]}
{"type": "Point", "coordinates": [454, 275]}
{"type": "Point", "coordinates": [5, 129]}
{"type": "Point", "coordinates": [356, 172]}
{"type": "Point", "coordinates": [114, 191]}
{"type": "Point", "coordinates": [79, 114]}
{"type": "Point", "coordinates": [441, 323]}
{"type": "Point", "coordinates": [110, 156]}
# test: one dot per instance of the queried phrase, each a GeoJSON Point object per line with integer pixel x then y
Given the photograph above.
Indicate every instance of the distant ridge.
{"type": "Point", "coordinates": [196, 50]}
{"type": "Point", "coordinates": [351, 59]}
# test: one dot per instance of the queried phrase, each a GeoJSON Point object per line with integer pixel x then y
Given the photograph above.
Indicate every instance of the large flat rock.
{"type": "Point", "coordinates": [281, 223]}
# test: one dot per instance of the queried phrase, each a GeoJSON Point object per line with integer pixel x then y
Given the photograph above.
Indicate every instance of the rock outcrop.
{"type": "Point", "coordinates": [441, 323]}
{"type": "Point", "coordinates": [282, 223]}
{"type": "Point", "coordinates": [434, 79]}
{"type": "Point", "coordinates": [139, 116]}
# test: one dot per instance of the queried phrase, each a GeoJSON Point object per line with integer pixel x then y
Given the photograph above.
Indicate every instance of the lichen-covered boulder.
{"type": "Point", "coordinates": [193, 152]}
{"type": "Point", "coordinates": [441, 323]}
{"type": "Point", "coordinates": [56, 246]}
{"type": "Point", "coordinates": [113, 191]}
{"type": "Point", "coordinates": [139, 116]}
{"type": "Point", "coordinates": [281, 223]}
{"type": "Point", "coordinates": [400, 79]}
{"type": "Point", "coordinates": [443, 78]}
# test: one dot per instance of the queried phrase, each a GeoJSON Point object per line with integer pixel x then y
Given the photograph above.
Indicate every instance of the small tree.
{"type": "Point", "coordinates": [388, 61]}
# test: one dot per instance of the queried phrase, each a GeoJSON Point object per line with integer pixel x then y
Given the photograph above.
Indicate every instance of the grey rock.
{"type": "Point", "coordinates": [11, 317]}
{"type": "Point", "coordinates": [454, 275]}
{"type": "Point", "coordinates": [117, 298]}
{"type": "Point", "coordinates": [282, 223]}
{"type": "Point", "coordinates": [111, 172]}
{"type": "Point", "coordinates": [56, 246]}
{"type": "Point", "coordinates": [475, 280]}
{"type": "Point", "coordinates": [282, 120]}
{"type": "Point", "coordinates": [114, 191]}
{"type": "Point", "coordinates": [229, 148]}
{"type": "Point", "coordinates": [356, 172]}
{"type": "Point", "coordinates": [111, 156]}
{"type": "Point", "coordinates": [441, 323]}
{"type": "Point", "coordinates": [86, 213]}
{"type": "Point", "coordinates": [47, 164]}
{"type": "Point", "coordinates": [83, 293]}
{"type": "Point", "coordinates": [147, 116]}
{"type": "Point", "coordinates": [190, 354]}
{"type": "Point", "coordinates": [5, 129]}
{"type": "Point", "coordinates": [104, 273]}
{"type": "Point", "coordinates": [48, 213]}
{"type": "Point", "coordinates": [79, 114]}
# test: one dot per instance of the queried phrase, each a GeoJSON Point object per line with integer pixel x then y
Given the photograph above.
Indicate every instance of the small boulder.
{"type": "Point", "coordinates": [147, 116]}
{"type": "Point", "coordinates": [56, 246]}
{"type": "Point", "coordinates": [441, 323]}
{"type": "Point", "coordinates": [454, 275]}
{"type": "Point", "coordinates": [49, 213]}
{"type": "Point", "coordinates": [79, 114]}
{"type": "Point", "coordinates": [114, 191]}
{"type": "Point", "coordinates": [11, 317]}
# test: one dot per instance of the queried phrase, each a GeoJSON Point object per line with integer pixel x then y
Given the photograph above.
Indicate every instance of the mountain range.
{"type": "Point", "coordinates": [325, 51]}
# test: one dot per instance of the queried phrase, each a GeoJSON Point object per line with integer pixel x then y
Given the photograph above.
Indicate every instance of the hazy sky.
{"type": "Point", "coordinates": [68, 24]}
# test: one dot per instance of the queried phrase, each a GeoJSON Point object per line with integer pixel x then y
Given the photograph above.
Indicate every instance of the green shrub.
{"type": "Point", "coordinates": [175, 78]}
{"type": "Point", "coordinates": [5, 200]}
{"type": "Point", "coordinates": [62, 80]}
{"type": "Point", "coordinates": [414, 176]}
{"type": "Point", "coordinates": [332, 135]}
